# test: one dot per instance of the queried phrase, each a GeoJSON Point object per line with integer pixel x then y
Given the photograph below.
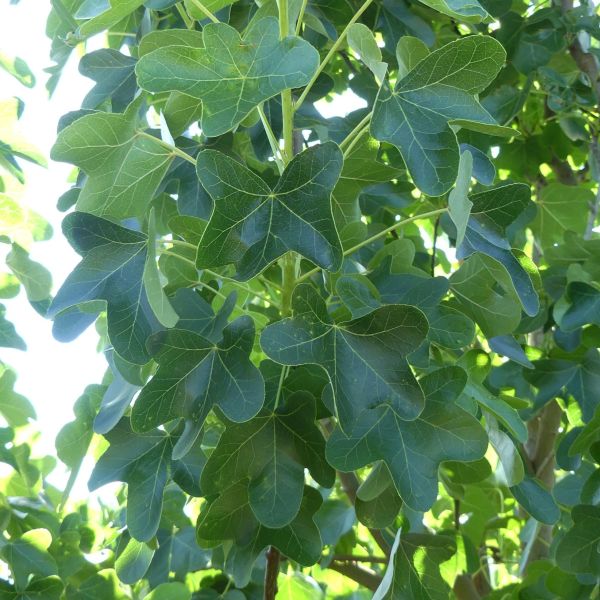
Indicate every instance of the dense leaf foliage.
{"type": "Point", "coordinates": [349, 357]}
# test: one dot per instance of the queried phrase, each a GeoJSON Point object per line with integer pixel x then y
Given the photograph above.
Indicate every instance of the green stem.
{"type": "Point", "coordinates": [189, 261]}
{"type": "Point", "coordinates": [383, 233]}
{"type": "Point", "coordinates": [181, 243]}
{"type": "Point", "coordinates": [332, 52]}
{"type": "Point", "coordinates": [242, 287]}
{"type": "Point", "coordinates": [273, 141]}
{"type": "Point", "coordinates": [301, 17]}
{"type": "Point", "coordinates": [287, 107]}
{"type": "Point", "coordinates": [205, 10]}
{"type": "Point", "coordinates": [284, 373]}
{"type": "Point", "coordinates": [189, 23]}
{"type": "Point", "coordinates": [213, 273]}
{"type": "Point", "coordinates": [356, 131]}
{"type": "Point", "coordinates": [174, 149]}
{"type": "Point", "coordinates": [289, 282]}
{"type": "Point", "coordinates": [355, 141]}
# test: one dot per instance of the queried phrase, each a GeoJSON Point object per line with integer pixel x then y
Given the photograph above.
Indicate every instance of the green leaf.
{"type": "Point", "coordinates": [485, 292]}
{"type": "Point", "coordinates": [561, 208]}
{"type": "Point", "coordinates": [498, 407]}
{"type": "Point", "coordinates": [469, 11]}
{"type": "Point", "coordinates": [271, 452]}
{"type": "Point", "coordinates": [361, 40]}
{"type": "Point", "coordinates": [459, 205]}
{"type": "Point", "coordinates": [46, 588]}
{"type": "Point", "coordinates": [20, 224]}
{"type": "Point", "coordinates": [299, 587]}
{"type": "Point", "coordinates": [28, 555]}
{"type": "Point", "coordinates": [413, 450]}
{"type": "Point", "coordinates": [409, 52]}
{"type": "Point", "coordinates": [492, 212]}
{"type": "Point", "coordinates": [253, 224]}
{"type": "Point", "coordinates": [18, 68]}
{"type": "Point", "coordinates": [229, 74]}
{"type": "Point", "coordinates": [577, 551]}
{"type": "Point", "coordinates": [111, 270]}
{"type": "Point", "coordinates": [15, 408]}
{"type": "Point", "coordinates": [141, 461]}
{"type": "Point", "coordinates": [9, 338]}
{"type": "Point", "coordinates": [124, 165]}
{"type": "Point", "coordinates": [73, 440]}
{"type": "Point", "coordinates": [103, 585]}
{"type": "Point", "coordinates": [363, 358]}
{"type": "Point", "coordinates": [510, 470]}
{"type": "Point", "coordinates": [418, 115]}
{"type": "Point", "coordinates": [132, 564]}
{"type": "Point", "coordinates": [170, 591]}
{"type": "Point", "coordinates": [34, 277]}
{"type": "Point", "coordinates": [447, 326]}
{"type": "Point", "coordinates": [115, 12]}
{"type": "Point", "coordinates": [212, 5]}
{"type": "Point", "coordinates": [361, 169]}
{"type": "Point", "coordinates": [196, 374]}
{"type": "Point", "coordinates": [584, 306]}
{"type": "Point", "coordinates": [536, 500]}
{"type": "Point", "coordinates": [157, 298]}
{"type": "Point", "coordinates": [229, 517]}
{"type": "Point", "coordinates": [377, 501]}
{"type": "Point", "coordinates": [415, 568]}
{"type": "Point", "coordinates": [114, 75]}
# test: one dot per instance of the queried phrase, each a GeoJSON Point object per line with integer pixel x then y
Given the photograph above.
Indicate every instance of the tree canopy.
{"type": "Point", "coordinates": [348, 357]}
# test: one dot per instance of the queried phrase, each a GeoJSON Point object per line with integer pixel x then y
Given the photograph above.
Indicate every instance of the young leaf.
{"type": "Point", "coordinates": [459, 205]}
{"type": "Point", "coordinates": [252, 225]}
{"type": "Point", "coordinates": [364, 358]}
{"type": "Point", "coordinates": [157, 298]}
{"type": "Point", "coordinates": [229, 74]}
{"type": "Point", "coordinates": [361, 40]}
{"type": "Point", "coordinates": [409, 52]}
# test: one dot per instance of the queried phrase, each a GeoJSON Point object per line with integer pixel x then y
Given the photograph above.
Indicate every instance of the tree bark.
{"type": "Point", "coordinates": [271, 573]}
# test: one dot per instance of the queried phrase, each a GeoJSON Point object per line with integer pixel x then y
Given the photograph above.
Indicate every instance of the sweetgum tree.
{"type": "Point", "coordinates": [349, 357]}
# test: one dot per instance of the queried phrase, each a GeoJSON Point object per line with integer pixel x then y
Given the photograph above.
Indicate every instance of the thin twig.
{"type": "Point", "coordinates": [332, 52]}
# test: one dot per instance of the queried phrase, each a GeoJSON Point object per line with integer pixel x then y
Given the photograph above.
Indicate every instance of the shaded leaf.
{"type": "Point", "coordinates": [252, 225]}
{"type": "Point", "coordinates": [413, 450]}
{"type": "Point", "coordinates": [363, 357]}
{"type": "Point", "coordinates": [271, 452]}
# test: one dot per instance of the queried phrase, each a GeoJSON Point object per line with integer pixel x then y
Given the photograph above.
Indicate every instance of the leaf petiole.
{"type": "Point", "coordinates": [383, 233]}
{"type": "Point", "coordinates": [205, 10]}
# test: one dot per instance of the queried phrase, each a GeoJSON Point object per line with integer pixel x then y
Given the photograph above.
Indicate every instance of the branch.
{"type": "Point", "coordinates": [359, 558]}
{"type": "Point", "coordinates": [362, 576]}
{"type": "Point", "coordinates": [271, 573]}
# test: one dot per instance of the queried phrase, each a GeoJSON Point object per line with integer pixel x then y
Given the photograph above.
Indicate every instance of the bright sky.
{"type": "Point", "coordinates": [53, 375]}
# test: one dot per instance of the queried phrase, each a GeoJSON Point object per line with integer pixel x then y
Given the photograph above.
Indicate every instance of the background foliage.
{"type": "Point", "coordinates": [348, 357]}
